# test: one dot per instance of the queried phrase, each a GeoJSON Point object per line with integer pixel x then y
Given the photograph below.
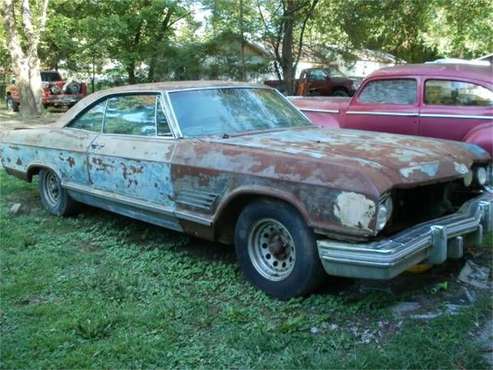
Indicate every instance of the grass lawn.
{"type": "Point", "coordinates": [99, 290]}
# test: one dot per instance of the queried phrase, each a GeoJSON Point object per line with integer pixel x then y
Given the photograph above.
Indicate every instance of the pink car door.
{"type": "Point", "coordinates": [451, 108]}
{"type": "Point", "coordinates": [387, 105]}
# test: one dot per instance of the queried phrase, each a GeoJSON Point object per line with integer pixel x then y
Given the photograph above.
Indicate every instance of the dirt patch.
{"type": "Point", "coordinates": [13, 120]}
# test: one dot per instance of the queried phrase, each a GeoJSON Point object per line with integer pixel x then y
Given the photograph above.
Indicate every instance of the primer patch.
{"type": "Point", "coordinates": [430, 169]}
{"type": "Point", "coordinates": [354, 210]}
{"type": "Point", "coordinates": [461, 168]}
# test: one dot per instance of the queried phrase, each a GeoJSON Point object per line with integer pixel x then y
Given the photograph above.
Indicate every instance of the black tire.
{"type": "Point", "coordinates": [12, 106]}
{"type": "Point", "coordinates": [59, 205]}
{"type": "Point", "coordinates": [339, 92]}
{"type": "Point", "coordinates": [300, 277]}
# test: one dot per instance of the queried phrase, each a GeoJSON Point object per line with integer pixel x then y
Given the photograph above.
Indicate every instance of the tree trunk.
{"type": "Point", "coordinates": [131, 73]}
{"type": "Point", "coordinates": [26, 64]}
{"type": "Point", "coordinates": [287, 61]}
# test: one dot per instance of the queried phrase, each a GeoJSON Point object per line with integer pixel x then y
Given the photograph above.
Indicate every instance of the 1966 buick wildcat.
{"type": "Point", "coordinates": [239, 163]}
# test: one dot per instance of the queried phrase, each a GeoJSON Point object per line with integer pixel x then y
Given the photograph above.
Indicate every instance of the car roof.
{"type": "Point", "coordinates": [149, 87]}
{"type": "Point", "coordinates": [177, 85]}
{"type": "Point", "coordinates": [453, 70]}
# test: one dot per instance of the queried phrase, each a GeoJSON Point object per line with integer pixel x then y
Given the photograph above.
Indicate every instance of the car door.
{"type": "Point", "coordinates": [387, 105]}
{"type": "Point", "coordinates": [130, 161]}
{"type": "Point", "coordinates": [317, 81]}
{"type": "Point", "coordinates": [451, 108]}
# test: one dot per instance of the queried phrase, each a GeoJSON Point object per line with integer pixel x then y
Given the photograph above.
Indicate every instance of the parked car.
{"type": "Point", "coordinates": [320, 82]}
{"type": "Point", "coordinates": [239, 164]}
{"type": "Point", "coordinates": [448, 101]}
{"type": "Point", "coordinates": [56, 92]}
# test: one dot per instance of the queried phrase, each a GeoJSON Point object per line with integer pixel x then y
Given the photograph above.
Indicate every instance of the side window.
{"type": "Point", "coordinates": [131, 115]}
{"type": "Point", "coordinates": [161, 121]}
{"type": "Point", "coordinates": [444, 92]}
{"type": "Point", "coordinates": [317, 75]}
{"type": "Point", "coordinates": [90, 120]}
{"type": "Point", "coordinates": [401, 91]}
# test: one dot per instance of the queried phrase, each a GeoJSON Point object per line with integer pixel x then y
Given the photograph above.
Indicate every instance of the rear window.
{"type": "Point", "coordinates": [397, 91]}
{"type": "Point", "coordinates": [446, 92]}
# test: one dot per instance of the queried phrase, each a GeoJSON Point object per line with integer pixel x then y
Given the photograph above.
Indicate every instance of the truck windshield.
{"type": "Point", "coordinates": [50, 76]}
{"type": "Point", "coordinates": [226, 111]}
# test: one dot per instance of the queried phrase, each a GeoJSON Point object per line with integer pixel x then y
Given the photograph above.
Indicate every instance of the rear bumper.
{"type": "Point", "coordinates": [432, 242]}
{"type": "Point", "coordinates": [62, 99]}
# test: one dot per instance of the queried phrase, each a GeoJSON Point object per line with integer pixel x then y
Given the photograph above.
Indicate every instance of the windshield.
{"type": "Point", "coordinates": [50, 76]}
{"type": "Point", "coordinates": [334, 72]}
{"type": "Point", "coordinates": [225, 111]}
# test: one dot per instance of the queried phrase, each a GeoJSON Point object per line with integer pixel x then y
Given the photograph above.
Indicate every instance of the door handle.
{"type": "Point", "coordinates": [97, 146]}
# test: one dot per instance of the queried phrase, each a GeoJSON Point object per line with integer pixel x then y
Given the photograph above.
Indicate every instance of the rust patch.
{"type": "Point", "coordinates": [71, 161]}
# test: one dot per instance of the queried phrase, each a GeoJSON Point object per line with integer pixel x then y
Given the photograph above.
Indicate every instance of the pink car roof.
{"type": "Point", "coordinates": [457, 71]}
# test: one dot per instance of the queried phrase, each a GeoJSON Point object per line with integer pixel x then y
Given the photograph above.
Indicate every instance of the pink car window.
{"type": "Point", "coordinates": [446, 92]}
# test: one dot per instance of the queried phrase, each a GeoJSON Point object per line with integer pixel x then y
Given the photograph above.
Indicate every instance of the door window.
{"type": "Point", "coordinates": [161, 120]}
{"type": "Point", "coordinates": [445, 92]}
{"type": "Point", "coordinates": [398, 91]}
{"type": "Point", "coordinates": [91, 120]}
{"type": "Point", "coordinates": [131, 115]}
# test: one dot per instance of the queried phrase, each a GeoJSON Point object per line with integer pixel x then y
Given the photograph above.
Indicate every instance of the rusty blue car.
{"type": "Point", "coordinates": [239, 164]}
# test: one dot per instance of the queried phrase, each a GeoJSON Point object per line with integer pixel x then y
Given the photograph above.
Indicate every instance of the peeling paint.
{"type": "Point", "coordinates": [430, 169]}
{"type": "Point", "coordinates": [461, 168]}
{"type": "Point", "coordinates": [354, 210]}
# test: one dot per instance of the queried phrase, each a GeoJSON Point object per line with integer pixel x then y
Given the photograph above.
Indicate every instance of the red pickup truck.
{"type": "Point", "coordinates": [319, 82]}
{"type": "Point", "coordinates": [448, 101]}
{"type": "Point", "coordinates": [56, 92]}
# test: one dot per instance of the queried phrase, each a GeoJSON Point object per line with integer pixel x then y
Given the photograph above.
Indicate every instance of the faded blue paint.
{"type": "Point", "coordinates": [137, 167]}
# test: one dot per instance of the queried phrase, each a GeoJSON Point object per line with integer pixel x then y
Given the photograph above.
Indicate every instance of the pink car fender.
{"type": "Point", "coordinates": [482, 136]}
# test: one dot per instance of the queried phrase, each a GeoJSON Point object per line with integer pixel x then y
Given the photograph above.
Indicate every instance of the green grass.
{"type": "Point", "coordinates": [99, 290]}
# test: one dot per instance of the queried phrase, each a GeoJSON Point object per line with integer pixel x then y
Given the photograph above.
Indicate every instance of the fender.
{"type": "Point", "coordinates": [34, 167]}
{"type": "Point", "coordinates": [261, 191]}
{"type": "Point", "coordinates": [481, 135]}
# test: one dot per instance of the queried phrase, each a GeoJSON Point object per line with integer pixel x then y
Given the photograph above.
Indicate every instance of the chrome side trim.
{"type": "Point", "coordinates": [137, 203]}
{"type": "Point", "coordinates": [433, 241]}
{"type": "Point", "coordinates": [376, 113]}
{"type": "Point", "coordinates": [461, 116]}
{"type": "Point", "coordinates": [319, 110]}
{"type": "Point", "coordinates": [400, 114]}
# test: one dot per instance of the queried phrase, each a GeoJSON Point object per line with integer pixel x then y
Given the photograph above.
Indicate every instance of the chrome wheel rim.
{"type": "Point", "coordinates": [271, 249]}
{"type": "Point", "coordinates": [52, 189]}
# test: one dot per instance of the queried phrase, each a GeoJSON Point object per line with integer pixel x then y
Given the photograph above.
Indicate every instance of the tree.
{"type": "Point", "coordinates": [23, 42]}
{"type": "Point", "coordinates": [285, 22]}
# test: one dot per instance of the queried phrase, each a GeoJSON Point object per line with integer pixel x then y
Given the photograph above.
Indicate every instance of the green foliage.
{"type": "Point", "coordinates": [412, 30]}
{"type": "Point", "coordinates": [99, 290]}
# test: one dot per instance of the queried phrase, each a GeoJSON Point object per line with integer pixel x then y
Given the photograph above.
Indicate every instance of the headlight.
{"type": "Point", "coordinates": [481, 175]}
{"type": "Point", "coordinates": [384, 212]}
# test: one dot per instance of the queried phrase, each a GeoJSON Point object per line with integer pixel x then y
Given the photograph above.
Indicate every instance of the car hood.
{"type": "Point", "coordinates": [386, 160]}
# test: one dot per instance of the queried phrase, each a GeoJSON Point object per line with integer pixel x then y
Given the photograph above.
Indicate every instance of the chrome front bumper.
{"type": "Point", "coordinates": [431, 242]}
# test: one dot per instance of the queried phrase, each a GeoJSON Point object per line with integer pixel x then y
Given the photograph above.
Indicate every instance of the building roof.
{"type": "Point", "coordinates": [473, 72]}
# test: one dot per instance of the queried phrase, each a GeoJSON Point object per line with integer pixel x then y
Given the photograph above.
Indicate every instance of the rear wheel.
{"type": "Point", "coordinates": [277, 251]}
{"type": "Point", "coordinates": [340, 92]}
{"type": "Point", "coordinates": [53, 196]}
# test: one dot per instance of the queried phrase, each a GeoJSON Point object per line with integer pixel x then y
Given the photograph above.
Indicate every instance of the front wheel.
{"type": "Point", "coordinates": [53, 196]}
{"type": "Point", "coordinates": [277, 251]}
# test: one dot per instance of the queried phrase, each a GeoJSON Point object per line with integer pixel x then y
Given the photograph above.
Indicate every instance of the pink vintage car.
{"type": "Point", "coordinates": [448, 101]}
